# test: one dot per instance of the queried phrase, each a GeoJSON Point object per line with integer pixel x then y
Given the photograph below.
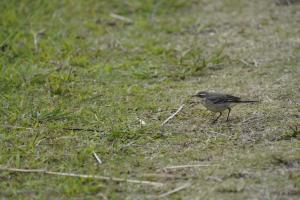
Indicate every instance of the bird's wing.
{"type": "Point", "coordinates": [231, 98]}
{"type": "Point", "coordinates": [218, 99]}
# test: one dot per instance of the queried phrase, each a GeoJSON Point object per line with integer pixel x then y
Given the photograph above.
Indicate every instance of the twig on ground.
{"type": "Point", "coordinates": [97, 158]}
{"type": "Point", "coordinates": [65, 137]}
{"type": "Point", "coordinates": [106, 178]}
{"type": "Point", "coordinates": [69, 129]}
{"type": "Point", "coordinates": [82, 129]}
{"type": "Point", "coordinates": [173, 115]}
{"type": "Point", "coordinates": [16, 127]}
{"type": "Point", "coordinates": [214, 132]}
{"type": "Point", "coordinates": [251, 119]}
{"type": "Point", "coordinates": [215, 178]}
{"type": "Point", "coordinates": [245, 62]}
{"type": "Point", "coordinates": [55, 139]}
{"type": "Point", "coordinates": [159, 175]}
{"type": "Point", "coordinates": [41, 140]}
{"type": "Point", "coordinates": [122, 18]}
{"type": "Point", "coordinates": [175, 190]}
{"type": "Point", "coordinates": [185, 166]}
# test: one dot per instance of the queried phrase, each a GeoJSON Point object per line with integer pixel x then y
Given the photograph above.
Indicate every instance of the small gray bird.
{"type": "Point", "coordinates": [217, 102]}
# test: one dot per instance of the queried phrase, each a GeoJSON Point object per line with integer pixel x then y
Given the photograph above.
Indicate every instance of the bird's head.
{"type": "Point", "coordinates": [201, 94]}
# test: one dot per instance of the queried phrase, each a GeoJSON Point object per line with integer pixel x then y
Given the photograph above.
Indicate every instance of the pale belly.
{"type": "Point", "coordinates": [216, 107]}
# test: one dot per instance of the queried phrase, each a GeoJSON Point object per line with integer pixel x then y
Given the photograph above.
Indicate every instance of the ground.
{"type": "Point", "coordinates": [86, 78]}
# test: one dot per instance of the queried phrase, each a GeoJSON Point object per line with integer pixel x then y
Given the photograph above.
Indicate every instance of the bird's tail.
{"type": "Point", "coordinates": [247, 101]}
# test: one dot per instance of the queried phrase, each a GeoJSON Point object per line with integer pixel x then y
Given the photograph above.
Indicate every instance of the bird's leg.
{"type": "Point", "coordinates": [229, 110]}
{"type": "Point", "coordinates": [217, 117]}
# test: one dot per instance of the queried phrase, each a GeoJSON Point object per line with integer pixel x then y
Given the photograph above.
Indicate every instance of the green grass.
{"type": "Point", "coordinates": [72, 64]}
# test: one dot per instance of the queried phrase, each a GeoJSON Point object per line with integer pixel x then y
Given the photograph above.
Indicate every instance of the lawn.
{"type": "Point", "coordinates": [86, 85]}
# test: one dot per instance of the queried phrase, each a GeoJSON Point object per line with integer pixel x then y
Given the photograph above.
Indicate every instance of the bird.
{"type": "Point", "coordinates": [218, 102]}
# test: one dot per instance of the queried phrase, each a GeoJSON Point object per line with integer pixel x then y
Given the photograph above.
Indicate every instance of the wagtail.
{"type": "Point", "coordinates": [217, 102]}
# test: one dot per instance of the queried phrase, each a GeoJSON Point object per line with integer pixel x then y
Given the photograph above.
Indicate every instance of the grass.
{"type": "Point", "coordinates": [74, 64]}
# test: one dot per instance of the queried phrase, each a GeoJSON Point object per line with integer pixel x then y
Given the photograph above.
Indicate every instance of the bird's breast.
{"type": "Point", "coordinates": [219, 107]}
